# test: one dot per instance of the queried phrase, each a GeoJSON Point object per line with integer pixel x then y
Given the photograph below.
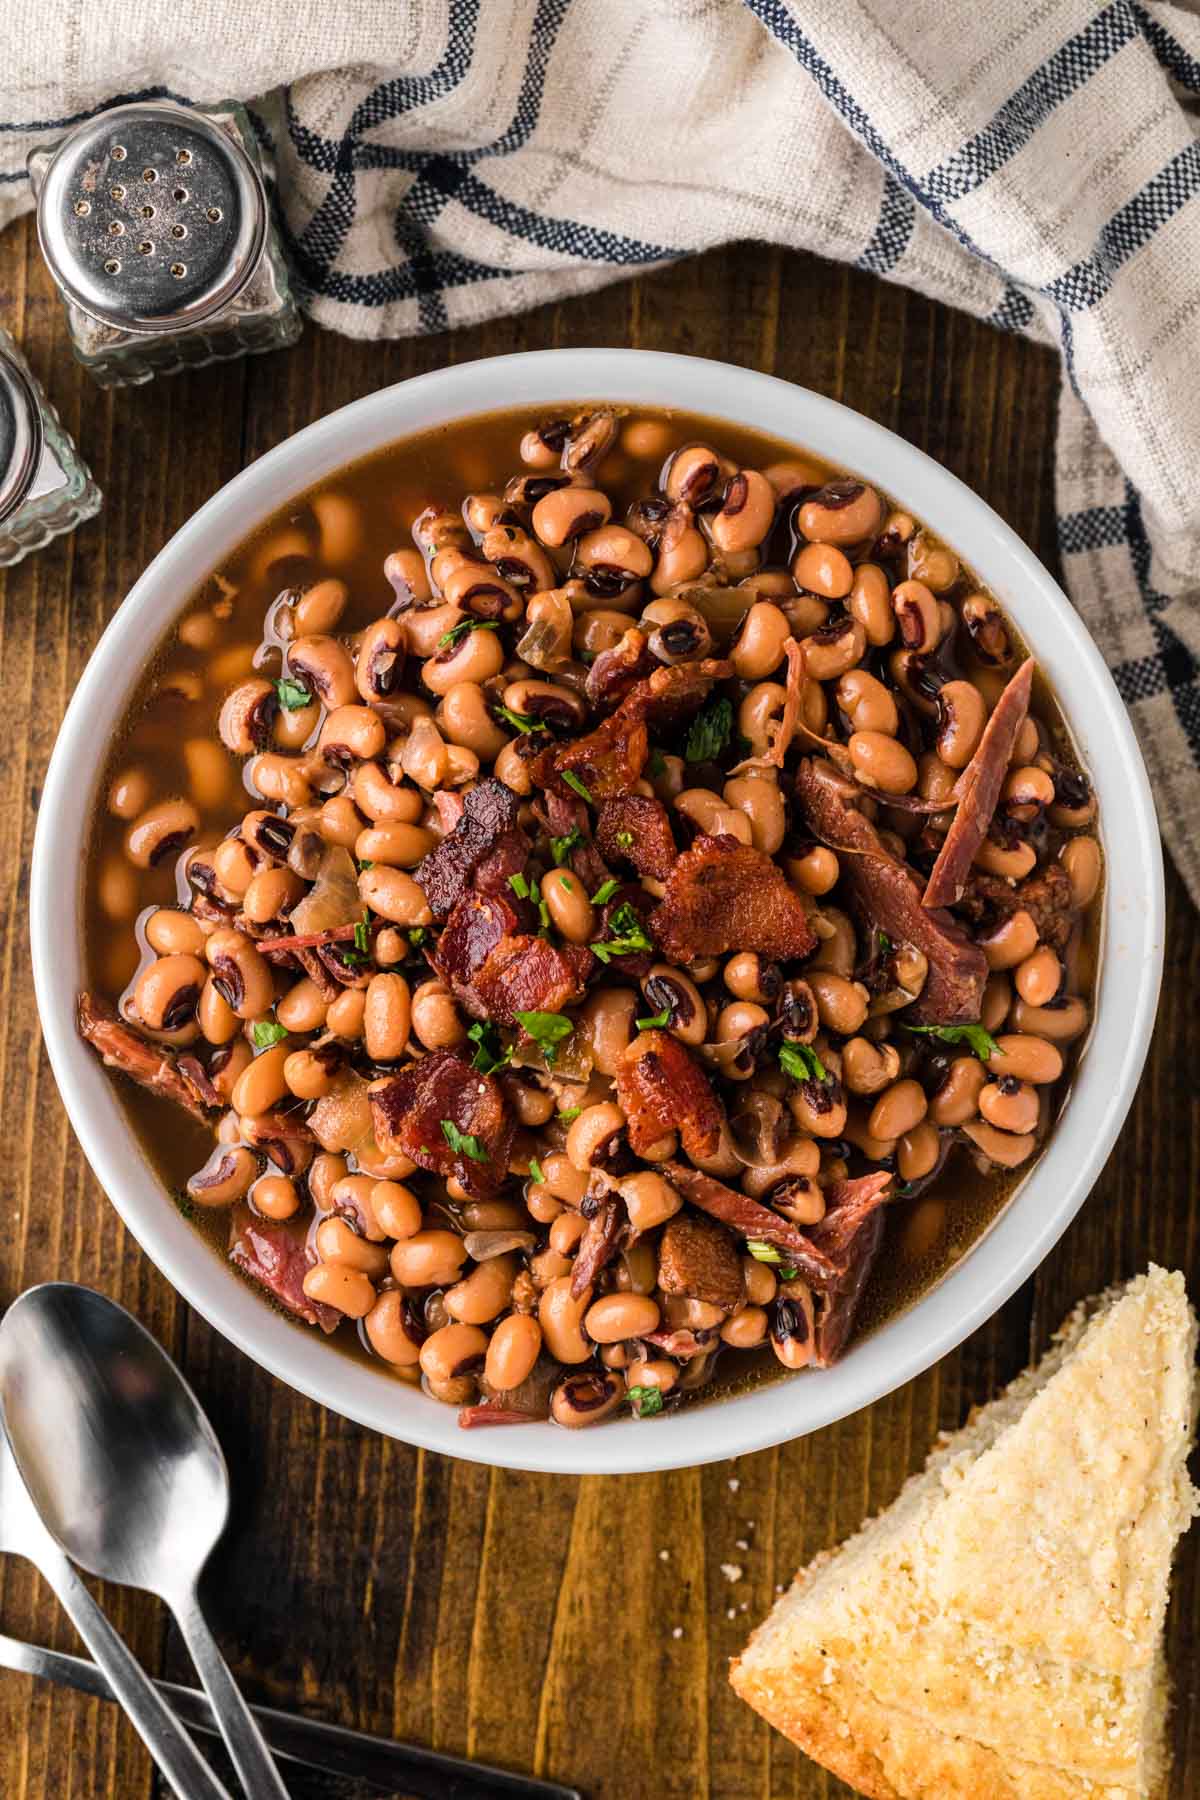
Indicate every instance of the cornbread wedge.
{"type": "Point", "coordinates": [997, 1633]}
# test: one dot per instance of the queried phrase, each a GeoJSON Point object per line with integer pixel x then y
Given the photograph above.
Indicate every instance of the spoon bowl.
{"type": "Point", "coordinates": [125, 1472]}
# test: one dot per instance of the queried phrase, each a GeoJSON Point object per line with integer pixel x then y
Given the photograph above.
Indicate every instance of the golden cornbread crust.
{"type": "Point", "coordinates": [996, 1634]}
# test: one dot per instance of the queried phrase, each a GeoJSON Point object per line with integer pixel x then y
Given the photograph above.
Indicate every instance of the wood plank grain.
{"type": "Point", "coordinates": [533, 1622]}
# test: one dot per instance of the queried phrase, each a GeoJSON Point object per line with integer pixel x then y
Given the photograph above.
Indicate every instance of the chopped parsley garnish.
{"type": "Point", "coordinates": [570, 1112]}
{"type": "Point", "coordinates": [292, 694]}
{"type": "Point", "coordinates": [521, 721]}
{"type": "Point", "coordinates": [461, 629]}
{"type": "Point", "coordinates": [417, 936]}
{"type": "Point", "coordinates": [605, 891]}
{"type": "Point", "coordinates": [656, 765]}
{"type": "Point", "coordinates": [981, 1043]}
{"type": "Point", "coordinates": [547, 1029]}
{"type": "Point", "coordinates": [535, 894]}
{"type": "Point", "coordinates": [573, 782]}
{"type": "Point", "coordinates": [628, 935]}
{"type": "Point", "coordinates": [463, 1143]}
{"type": "Point", "coordinates": [561, 847]}
{"type": "Point", "coordinates": [883, 942]}
{"type": "Point", "coordinates": [361, 941]}
{"type": "Point", "coordinates": [656, 1022]}
{"type": "Point", "coordinates": [645, 1401]}
{"type": "Point", "coordinates": [519, 886]}
{"type": "Point", "coordinates": [490, 1053]}
{"type": "Point", "coordinates": [625, 839]}
{"type": "Point", "coordinates": [710, 731]}
{"type": "Point", "coordinates": [535, 1169]}
{"type": "Point", "coordinates": [801, 1062]}
{"type": "Point", "coordinates": [365, 865]}
{"type": "Point", "coordinates": [266, 1032]}
{"type": "Point", "coordinates": [185, 1204]}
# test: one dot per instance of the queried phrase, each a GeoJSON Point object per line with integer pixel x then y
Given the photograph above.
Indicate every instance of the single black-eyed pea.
{"type": "Point", "coordinates": [571, 911]}
{"type": "Point", "coordinates": [842, 512]}
{"type": "Point", "coordinates": [823, 569]}
{"type": "Point", "coordinates": [225, 1177]}
{"type": "Point", "coordinates": [870, 604]}
{"type": "Point", "coordinates": [160, 832]}
{"type": "Point", "coordinates": [759, 798]}
{"type": "Point", "coordinates": [957, 1099]}
{"type": "Point", "coordinates": [387, 1017]}
{"type": "Point", "coordinates": [758, 649]}
{"type": "Point", "coordinates": [962, 715]}
{"type": "Point", "coordinates": [1006, 1149]}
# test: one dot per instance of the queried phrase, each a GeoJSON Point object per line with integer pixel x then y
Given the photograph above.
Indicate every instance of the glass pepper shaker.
{"type": "Point", "coordinates": [154, 223]}
{"type": "Point", "coordinates": [45, 487]}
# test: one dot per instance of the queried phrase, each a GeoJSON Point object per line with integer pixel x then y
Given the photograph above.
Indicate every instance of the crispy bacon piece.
{"type": "Point", "coordinates": [495, 969]}
{"type": "Point", "coordinates": [889, 895]}
{"type": "Point", "coordinates": [527, 974]}
{"type": "Point", "coordinates": [275, 1255]}
{"type": "Point", "coordinates": [598, 1245]}
{"type": "Point", "coordinates": [449, 808]}
{"type": "Point", "coordinates": [610, 759]}
{"type": "Point", "coordinates": [724, 895]}
{"type": "Point", "coordinates": [409, 1108]}
{"type": "Point", "coordinates": [660, 1089]}
{"type": "Point", "coordinates": [697, 1257]}
{"type": "Point", "coordinates": [978, 790]}
{"type": "Point", "coordinates": [615, 671]}
{"type": "Point", "coordinates": [485, 847]}
{"type": "Point", "coordinates": [643, 821]}
{"type": "Point", "coordinates": [150, 1065]}
{"type": "Point", "coordinates": [750, 1220]}
{"type": "Point", "coordinates": [1045, 896]}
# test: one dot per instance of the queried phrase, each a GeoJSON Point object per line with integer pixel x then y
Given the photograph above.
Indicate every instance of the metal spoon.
{"type": "Point", "coordinates": [23, 1534]}
{"type": "Point", "coordinates": [124, 1469]}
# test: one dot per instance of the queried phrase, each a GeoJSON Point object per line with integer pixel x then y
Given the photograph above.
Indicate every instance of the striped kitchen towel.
{"type": "Point", "coordinates": [1034, 161]}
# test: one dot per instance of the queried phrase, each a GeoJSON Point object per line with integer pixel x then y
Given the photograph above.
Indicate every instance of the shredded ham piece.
{"type": "Point", "coordinates": [751, 1220]}
{"type": "Point", "coordinates": [150, 1065]}
{"type": "Point", "coordinates": [312, 940]}
{"type": "Point", "coordinates": [598, 1245]}
{"type": "Point", "coordinates": [978, 790]}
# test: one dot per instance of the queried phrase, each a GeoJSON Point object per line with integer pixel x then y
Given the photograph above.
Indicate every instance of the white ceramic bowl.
{"type": "Point", "coordinates": [1133, 922]}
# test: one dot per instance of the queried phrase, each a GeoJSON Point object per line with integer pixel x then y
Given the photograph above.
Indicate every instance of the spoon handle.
{"type": "Point", "coordinates": [168, 1743]}
{"type": "Point", "coordinates": [243, 1739]}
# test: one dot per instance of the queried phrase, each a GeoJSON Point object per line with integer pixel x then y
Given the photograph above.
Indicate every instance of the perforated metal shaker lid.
{"type": "Point", "coordinates": [151, 218]}
{"type": "Point", "coordinates": [20, 435]}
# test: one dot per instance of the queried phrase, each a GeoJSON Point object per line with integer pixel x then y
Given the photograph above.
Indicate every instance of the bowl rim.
{"type": "Point", "coordinates": [1046, 1200]}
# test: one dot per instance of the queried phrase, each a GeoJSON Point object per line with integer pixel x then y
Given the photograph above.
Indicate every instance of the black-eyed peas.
{"type": "Point", "coordinates": [1008, 1150]}
{"type": "Point", "coordinates": [571, 911]}
{"type": "Point", "coordinates": [561, 1315]}
{"type": "Point", "coordinates": [899, 1109]}
{"type": "Point", "coordinates": [823, 569]}
{"type": "Point", "coordinates": [225, 1177]}
{"type": "Point", "coordinates": [586, 1399]}
{"type": "Point", "coordinates": [870, 604]}
{"type": "Point", "coordinates": [1060, 1020]}
{"type": "Point", "coordinates": [240, 975]}
{"type": "Point", "coordinates": [1081, 860]}
{"type": "Point", "coordinates": [337, 1242]}
{"type": "Point", "coordinates": [843, 512]}
{"type": "Point", "coordinates": [957, 1098]}
{"type": "Point", "coordinates": [357, 735]}
{"type": "Point", "coordinates": [263, 1084]}
{"type": "Point", "coordinates": [962, 717]}
{"type": "Point", "coordinates": [1012, 941]}
{"type": "Point", "coordinates": [835, 647]}
{"type": "Point", "coordinates": [881, 762]}
{"type": "Point", "coordinates": [160, 832]}
{"type": "Point", "coordinates": [395, 896]}
{"type": "Point", "coordinates": [1039, 977]}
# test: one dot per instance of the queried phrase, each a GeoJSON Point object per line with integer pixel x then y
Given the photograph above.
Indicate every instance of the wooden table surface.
{"type": "Point", "coordinates": [579, 1629]}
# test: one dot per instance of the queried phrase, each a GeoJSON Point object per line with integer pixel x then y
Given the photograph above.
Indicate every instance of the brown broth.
{"type": "Point", "coordinates": [926, 1235]}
